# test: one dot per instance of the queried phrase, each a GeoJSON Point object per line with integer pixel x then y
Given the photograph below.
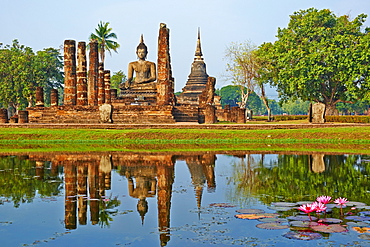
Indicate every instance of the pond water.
{"type": "Point", "coordinates": [194, 199]}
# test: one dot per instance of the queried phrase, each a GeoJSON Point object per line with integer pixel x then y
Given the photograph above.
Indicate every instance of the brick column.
{"type": "Point", "coordinates": [108, 98]}
{"type": "Point", "coordinates": [101, 89]}
{"type": "Point", "coordinates": [81, 74]}
{"type": "Point", "coordinates": [54, 97]}
{"type": "Point", "coordinates": [210, 114]}
{"type": "Point", "coordinates": [93, 74]}
{"type": "Point", "coordinates": [70, 72]}
{"type": "Point", "coordinates": [165, 81]}
{"type": "Point", "coordinates": [39, 97]}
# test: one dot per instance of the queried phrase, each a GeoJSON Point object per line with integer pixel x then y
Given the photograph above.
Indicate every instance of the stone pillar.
{"type": "Point", "coordinates": [113, 94]}
{"type": "Point", "coordinates": [233, 114]}
{"type": "Point", "coordinates": [3, 115]}
{"type": "Point", "coordinates": [82, 192]}
{"type": "Point", "coordinates": [70, 181]}
{"type": "Point", "coordinates": [227, 113]}
{"type": "Point", "coordinates": [54, 97]}
{"type": "Point", "coordinates": [165, 81]}
{"type": "Point", "coordinates": [22, 116]}
{"type": "Point", "coordinates": [108, 99]}
{"type": "Point", "coordinates": [318, 113]}
{"type": "Point", "coordinates": [210, 114]}
{"type": "Point", "coordinates": [81, 74]}
{"type": "Point", "coordinates": [70, 72]}
{"type": "Point", "coordinates": [39, 97]}
{"type": "Point", "coordinates": [93, 74]}
{"type": "Point", "coordinates": [240, 116]}
{"type": "Point", "coordinates": [101, 89]}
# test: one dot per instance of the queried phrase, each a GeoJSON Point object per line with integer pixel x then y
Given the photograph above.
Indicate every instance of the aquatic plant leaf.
{"type": "Point", "coordinates": [364, 236]}
{"type": "Point", "coordinates": [250, 211]}
{"type": "Point", "coordinates": [281, 220]}
{"type": "Point", "coordinates": [222, 205]}
{"type": "Point", "coordinates": [298, 223]}
{"type": "Point", "coordinates": [254, 216]}
{"type": "Point", "coordinates": [331, 205]}
{"type": "Point", "coordinates": [358, 218]}
{"type": "Point", "coordinates": [360, 223]}
{"type": "Point", "coordinates": [329, 228]}
{"type": "Point", "coordinates": [272, 226]}
{"type": "Point", "coordinates": [330, 220]}
{"type": "Point", "coordinates": [280, 208]}
{"type": "Point", "coordinates": [302, 218]}
{"type": "Point", "coordinates": [302, 235]}
{"type": "Point", "coordinates": [284, 204]}
{"type": "Point", "coordinates": [365, 213]}
{"type": "Point", "coordinates": [361, 229]}
{"type": "Point", "coordinates": [304, 202]}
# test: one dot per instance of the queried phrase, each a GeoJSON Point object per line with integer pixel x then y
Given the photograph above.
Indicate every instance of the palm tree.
{"type": "Point", "coordinates": [103, 34]}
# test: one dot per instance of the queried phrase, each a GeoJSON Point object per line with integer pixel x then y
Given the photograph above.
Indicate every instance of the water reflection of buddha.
{"type": "Point", "coordinates": [145, 187]}
{"type": "Point", "coordinates": [145, 71]}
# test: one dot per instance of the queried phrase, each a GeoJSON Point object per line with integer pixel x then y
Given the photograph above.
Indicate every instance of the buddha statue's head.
{"type": "Point", "coordinates": [142, 49]}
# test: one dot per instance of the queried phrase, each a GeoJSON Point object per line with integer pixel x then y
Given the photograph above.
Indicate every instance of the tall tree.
{"type": "Point", "coordinates": [103, 35]}
{"type": "Point", "coordinates": [319, 57]}
{"type": "Point", "coordinates": [243, 69]}
{"type": "Point", "coordinates": [21, 71]}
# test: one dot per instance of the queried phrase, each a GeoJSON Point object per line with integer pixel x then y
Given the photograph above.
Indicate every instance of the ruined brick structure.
{"type": "Point", "coordinates": [88, 94]}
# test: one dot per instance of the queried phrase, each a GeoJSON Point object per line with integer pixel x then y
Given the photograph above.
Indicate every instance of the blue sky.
{"type": "Point", "coordinates": [47, 23]}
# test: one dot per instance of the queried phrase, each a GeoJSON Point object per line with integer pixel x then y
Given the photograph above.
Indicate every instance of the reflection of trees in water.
{"type": "Point", "coordinates": [20, 178]}
{"type": "Point", "coordinates": [302, 177]}
{"type": "Point", "coordinates": [245, 178]}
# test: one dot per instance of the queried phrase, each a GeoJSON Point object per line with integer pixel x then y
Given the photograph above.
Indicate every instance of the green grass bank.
{"type": "Point", "coordinates": [328, 139]}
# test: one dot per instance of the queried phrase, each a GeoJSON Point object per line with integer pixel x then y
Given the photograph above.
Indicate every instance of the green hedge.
{"type": "Point", "coordinates": [348, 119]}
{"type": "Point", "coordinates": [290, 117]}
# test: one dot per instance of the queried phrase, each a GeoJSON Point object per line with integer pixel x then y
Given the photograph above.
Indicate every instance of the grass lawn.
{"type": "Point", "coordinates": [336, 139]}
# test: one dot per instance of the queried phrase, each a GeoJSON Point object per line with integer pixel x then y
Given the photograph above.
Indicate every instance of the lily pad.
{"type": "Point", "coordinates": [280, 208]}
{"type": "Point", "coordinates": [360, 223]}
{"type": "Point", "coordinates": [250, 211]}
{"type": "Point", "coordinates": [330, 220]}
{"type": "Point", "coordinates": [364, 236]}
{"type": "Point", "coordinates": [301, 235]}
{"type": "Point", "coordinates": [358, 218]}
{"type": "Point", "coordinates": [331, 205]}
{"type": "Point", "coordinates": [329, 228]}
{"type": "Point", "coordinates": [304, 202]}
{"type": "Point", "coordinates": [281, 220]}
{"type": "Point", "coordinates": [361, 229]}
{"type": "Point", "coordinates": [365, 213]}
{"type": "Point", "coordinates": [356, 204]}
{"type": "Point", "coordinates": [222, 205]}
{"type": "Point", "coordinates": [284, 204]}
{"type": "Point", "coordinates": [302, 218]}
{"type": "Point", "coordinates": [255, 216]}
{"type": "Point", "coordinates": [305, 224]}
{"type": "Point", "coordinates": [272, 226]}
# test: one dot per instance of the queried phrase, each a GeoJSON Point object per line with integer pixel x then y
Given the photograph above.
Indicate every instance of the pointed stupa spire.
{"type": "Point", "coordinates": [142, 38]}
{"type": "Point", "coordinates": [198, 51]}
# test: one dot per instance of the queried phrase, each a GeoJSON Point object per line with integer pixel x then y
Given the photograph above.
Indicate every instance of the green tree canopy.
{"type": "Point", "coordinates": [319, 57]}
{"type": "Point", "coordinates": [21, 71]}
{"type": "Point", "coordinates": [117, 78]}
{"type": "Point", "coordinates": [103, 34]}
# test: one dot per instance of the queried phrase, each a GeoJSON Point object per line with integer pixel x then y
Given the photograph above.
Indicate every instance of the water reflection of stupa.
{"type": "Point", "coordinates": [201, 169]}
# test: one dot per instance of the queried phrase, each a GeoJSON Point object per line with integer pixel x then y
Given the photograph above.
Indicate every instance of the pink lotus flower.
{"type": "Point", "coordinates": [319, 207]}
{"type": "Point", "coordinates": [323, 199]}
{"type": "Point", "coordinates": [308, 208]}
{"type": "Point", "coordinates": [341, 201]}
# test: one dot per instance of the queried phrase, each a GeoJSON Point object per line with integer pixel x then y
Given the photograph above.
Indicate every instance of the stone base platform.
{"type": "Point", "coordinates": [125, 114]}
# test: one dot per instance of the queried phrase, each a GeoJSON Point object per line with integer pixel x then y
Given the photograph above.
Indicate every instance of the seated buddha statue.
{"type": "Point", "coordinates": [145, 71]}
